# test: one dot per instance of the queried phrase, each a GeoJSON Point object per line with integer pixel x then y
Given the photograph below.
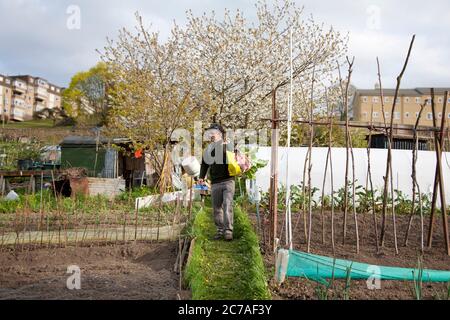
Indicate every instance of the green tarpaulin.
{"type": "Point", "coordinates": [320, 268]}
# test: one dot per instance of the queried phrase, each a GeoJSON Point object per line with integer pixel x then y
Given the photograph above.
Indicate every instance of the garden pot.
{"type": "Point", "coordinates": [24, 164]}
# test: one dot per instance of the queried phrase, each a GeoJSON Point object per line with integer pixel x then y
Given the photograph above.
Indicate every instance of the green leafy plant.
{"type": "Point", "coordinates": [417, 275]}
{"type": "Point", "coordinates": [403, 205]}
{"type": "Point", "coordinates": [365, 199]}
{"type": "Point", "coordinates": [325, 201]}
{"type": "Point", "coordinates": [348, 280]}
{"type": "Point", "coordinates": [448, 290]}
{"type": "Point", "coordinates": [339, 196]}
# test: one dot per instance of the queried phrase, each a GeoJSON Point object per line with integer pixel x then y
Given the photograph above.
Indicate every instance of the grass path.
{"type": "Point", "coordinates": [220, 270]}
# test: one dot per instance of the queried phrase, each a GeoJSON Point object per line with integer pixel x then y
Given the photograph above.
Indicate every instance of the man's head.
{"type": "Point", "coordinates": [215, 132]}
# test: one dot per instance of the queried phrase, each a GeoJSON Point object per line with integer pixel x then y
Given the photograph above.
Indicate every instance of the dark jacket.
{"type": "Point", "coordinates": [218, 167]}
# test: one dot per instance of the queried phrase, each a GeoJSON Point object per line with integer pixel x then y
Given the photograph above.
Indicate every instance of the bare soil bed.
{"type": "Point", "coordinates": [126, 272]}
{"type": "Point", "coordinates": [434, 258]}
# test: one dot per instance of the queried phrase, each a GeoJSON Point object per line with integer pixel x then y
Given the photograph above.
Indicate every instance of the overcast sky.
{"type": "Point", "coordinates": [35, 39]}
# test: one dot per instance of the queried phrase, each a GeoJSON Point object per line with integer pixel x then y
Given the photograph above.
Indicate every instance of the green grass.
{"type": "Point", "coordinates": [44, 123]}
{"type": "Point", "coordinates": [86, 208]}
{"type": "Point", "coordinates": [220, 270]}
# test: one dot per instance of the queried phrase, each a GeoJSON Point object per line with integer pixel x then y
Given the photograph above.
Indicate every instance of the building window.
{"type": "Point", "coordinates": [386, 99]}
{"type": "Point", "coordinates": [449, 115]}
{"type": "Point", "coordinates": [407, 99]}
{"type": "Point", "coordinates": [406, 114]}
{"type": "Point", "coordinates": [375, 114]}
{"type": "Point", "coordinates": [386, 115]}
{"type": "Point", "coordinates": [397, 100]}
{"type": "Point", "coordinates": [375, 100]}
{"type": "Point", "coordinates": [440, 115]}
{"type": "Point", "coordinates": [429, 116]}
{"type": "Point", "coordinates": [429, 101]}
{"type": "Point", "coordinates": [418, 100]}
{"type": "Point", "coordinates": [364, 114]}
{"type": "Point", "coordinates": [417, 114]}
{"type": "Point", "coordinates": [440, 100]}
{"type": "Point", "coordinates": [364, 99]}
{"type": "Point", "coordinates": [397, 115]}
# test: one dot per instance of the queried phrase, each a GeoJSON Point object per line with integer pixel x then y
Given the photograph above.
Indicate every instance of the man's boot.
{"type": "Point", "coordinates": [228, 235]}
{"type": "Point", "coordinates": [218, 236]}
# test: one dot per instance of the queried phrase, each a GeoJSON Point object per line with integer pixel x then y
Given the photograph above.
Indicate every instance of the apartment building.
{"type": "Point", "coordinates": [367, 106]}
{"type": "Point", "coordinates": [24, 97]}
{"type": "Point", "coordinates": [5, 97]}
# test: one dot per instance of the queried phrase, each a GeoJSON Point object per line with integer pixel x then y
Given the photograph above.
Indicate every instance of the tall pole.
{"type": "Point", "coordinates": [438, 141]}
{"type": "Point", "coordinates": [289, 130]}
{"type": "Point", "coordinates": [390, 140]}
{"type": "Point", "coordinates": [274, 173]}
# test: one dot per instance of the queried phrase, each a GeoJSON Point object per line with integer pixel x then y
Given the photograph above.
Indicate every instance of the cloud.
{"type": "Point", "coordinates": [41, 44]}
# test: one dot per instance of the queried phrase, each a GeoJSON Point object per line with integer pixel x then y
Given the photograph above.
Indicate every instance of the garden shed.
{"type": "Point", "coordinates": [101, 159]}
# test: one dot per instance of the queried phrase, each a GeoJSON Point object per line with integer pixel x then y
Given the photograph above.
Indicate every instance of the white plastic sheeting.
{"type": "Point", "coordinates": [401, 166]}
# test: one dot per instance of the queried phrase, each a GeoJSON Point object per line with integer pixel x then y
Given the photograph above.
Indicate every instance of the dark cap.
{"type": "Point", "coordinates": [216, 126]}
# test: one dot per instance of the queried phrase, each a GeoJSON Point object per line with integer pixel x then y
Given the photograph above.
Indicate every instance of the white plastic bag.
{"type": "Point", "coordinates": [12, 196]}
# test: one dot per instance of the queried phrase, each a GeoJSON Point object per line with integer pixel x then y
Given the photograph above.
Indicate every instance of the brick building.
{"type": "Point", "coordinates": [24, 98]}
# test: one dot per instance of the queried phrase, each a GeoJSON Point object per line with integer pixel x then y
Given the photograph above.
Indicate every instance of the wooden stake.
{"type": "Point", "coordinates": [438, 146]}
{"type": "Point", "coordinates": [370, 183]}
{"type": "Point", "coordinates": [322, 214]}
{"type": "Point", "coordinates": [355, 215]}
{"type": "Point", "coordinates": [136, 213]}
{"type": "Point", "coordinates": [436, 179]}
{"type": "Point", "coordinates": [330, 130]}
{"type": "Point", "coordinates": [344, 94]}
{"type": "Point", "coordinates": [2, 185]}
{"type": "Point", "coordinates": [311, 138]}
{"type": "Point", "coordinates": [332, 189]}
{"type": "Point", "coordinates": [413, 175]}
{"type": "Point", "coordinates": [390, 141]}
{"type": "Point", "coordinates": [394, 224]}
{"type": "Point", "coordinates": [303, 210]}
{"type": "Point", "coordinates": [40, 206]}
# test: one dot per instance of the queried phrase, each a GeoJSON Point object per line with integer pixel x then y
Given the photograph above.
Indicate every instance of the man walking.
{"type": "Point", "coordinates": [222, 184]}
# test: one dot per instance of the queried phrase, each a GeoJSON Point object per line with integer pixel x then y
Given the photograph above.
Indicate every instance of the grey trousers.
{"type": "Point", "coordinates": [222, 194]}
